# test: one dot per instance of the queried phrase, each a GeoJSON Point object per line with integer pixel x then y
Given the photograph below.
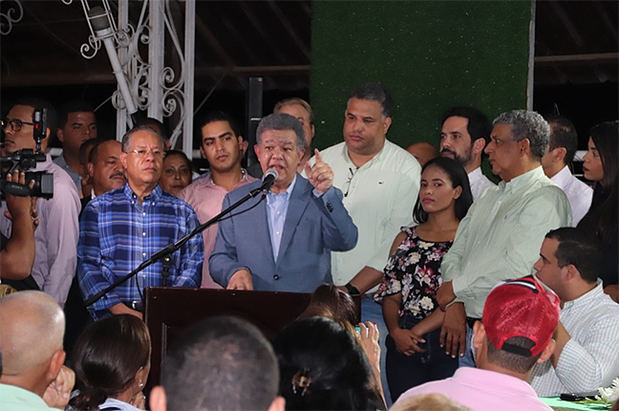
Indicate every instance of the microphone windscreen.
{"type": "Point", "coordinates": [271, 172]}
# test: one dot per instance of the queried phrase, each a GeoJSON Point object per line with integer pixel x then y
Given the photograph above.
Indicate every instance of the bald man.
{"type": "Point", "coordinates": [422, 151]}
{"type": "Point", "coordinates": [32, 325]}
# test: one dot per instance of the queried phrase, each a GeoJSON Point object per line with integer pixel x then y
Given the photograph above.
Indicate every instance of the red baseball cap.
{"type": "Point", "coordinates": [521, 308]}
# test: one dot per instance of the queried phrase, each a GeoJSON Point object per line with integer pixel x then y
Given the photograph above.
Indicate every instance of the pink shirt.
{"type": "Point", "coordinates": [206, 197]}
{"type": "Point", "coordinates": [483, 390]}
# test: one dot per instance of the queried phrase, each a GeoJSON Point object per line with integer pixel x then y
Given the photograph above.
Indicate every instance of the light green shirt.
{"type": "Point", "coordinates": [501, 236]}
{"type": "Point", "coordinates": [13, 398]}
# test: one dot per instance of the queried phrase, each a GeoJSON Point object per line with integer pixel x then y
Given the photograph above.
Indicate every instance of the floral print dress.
{"type": "Point", "coordinates": [414, 270]}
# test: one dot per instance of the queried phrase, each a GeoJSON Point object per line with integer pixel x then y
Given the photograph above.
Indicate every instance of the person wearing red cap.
{"type": "Point", "coordinates": [585, 356]}
{"type": "Point", "coordinates": [515, 333]}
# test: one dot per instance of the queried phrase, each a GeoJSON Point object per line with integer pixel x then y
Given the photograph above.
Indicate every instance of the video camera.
{"type": "Point", "coordinates": [27, 159]}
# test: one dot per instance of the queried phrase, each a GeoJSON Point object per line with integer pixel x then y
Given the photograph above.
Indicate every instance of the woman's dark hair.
{"type": "Point", "coordinates": [323, 367]}
{"type": "Point", "coordinates": [331, 302]}
{"type": "Point", "coordinates": [458, 177]}
{"type": "Point", "coordinates": [180, 154]}
{"type": "Point", "coordinates": [602, 215]}
{"type": "Point", "coordinates": [107, 356]}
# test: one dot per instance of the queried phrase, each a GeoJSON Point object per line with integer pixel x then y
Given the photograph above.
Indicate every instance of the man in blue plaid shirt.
{"type": "Point", "coordinates": [123, 227]}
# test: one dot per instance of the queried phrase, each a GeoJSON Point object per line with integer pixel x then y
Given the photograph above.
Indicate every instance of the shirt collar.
{"type": "Point", "coordinates": [562, 176]}
{"type": "Point", "coordinates": [154, 195]}
{"type": "Point", "coordinates": [376, 157]}
{"type": "Point", "coordinates": [288, 190]}
{"type": "Point", "coordinates": [587, 298]}
{"type": "Point", "coordinates": [523, 180]}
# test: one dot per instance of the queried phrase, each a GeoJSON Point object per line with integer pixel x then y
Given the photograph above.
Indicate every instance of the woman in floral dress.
{"type": "Point", "coordinates": [412, 277]}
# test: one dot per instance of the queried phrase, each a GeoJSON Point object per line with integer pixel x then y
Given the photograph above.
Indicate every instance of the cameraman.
{"type": "Point", "coordinates": [56, 237]}
{"type": "Point", "coordinates": [17, 252]}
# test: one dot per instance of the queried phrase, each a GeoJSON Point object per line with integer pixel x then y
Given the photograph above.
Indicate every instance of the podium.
{"type": "Point", "coordinates": [169, 310]}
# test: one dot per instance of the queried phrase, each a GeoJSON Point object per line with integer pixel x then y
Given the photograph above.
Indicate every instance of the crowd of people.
{"type": "Point", "coordinates": [430, 283]}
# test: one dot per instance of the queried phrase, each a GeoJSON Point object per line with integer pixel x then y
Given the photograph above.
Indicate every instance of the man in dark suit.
{"type": "Point", "coordinates": [285, 242]}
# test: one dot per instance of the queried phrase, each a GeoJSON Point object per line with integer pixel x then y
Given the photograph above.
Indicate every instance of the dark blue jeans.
{"type": "Point", "coordinates": [404, 372]}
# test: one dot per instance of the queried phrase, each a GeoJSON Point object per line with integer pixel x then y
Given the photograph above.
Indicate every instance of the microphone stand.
{"type": "Point", "coordinates": [167, 251]}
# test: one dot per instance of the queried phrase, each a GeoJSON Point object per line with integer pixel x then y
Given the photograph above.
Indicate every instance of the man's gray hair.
{"type": "Point", "coordinates": [527, 124]}
{"type": "Point", "coordinates": [126, 140]}
{"type": "Point", "coordinates": [281, 121]}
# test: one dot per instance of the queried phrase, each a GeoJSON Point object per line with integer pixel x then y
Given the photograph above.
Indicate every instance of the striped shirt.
{"type": "Point", "coordinates": [590, 359]}
{"type": "Point", "coordinates": [117, 234]}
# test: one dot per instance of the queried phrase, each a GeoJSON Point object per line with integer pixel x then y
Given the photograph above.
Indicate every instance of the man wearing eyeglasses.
{"type": "Point", "coordinates": [57, 233]}
{"type": "Point", "coordinates": [125, 226]}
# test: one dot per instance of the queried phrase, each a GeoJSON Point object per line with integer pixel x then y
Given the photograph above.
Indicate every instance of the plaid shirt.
{"type": "Point", "coordinates": [117, 234]}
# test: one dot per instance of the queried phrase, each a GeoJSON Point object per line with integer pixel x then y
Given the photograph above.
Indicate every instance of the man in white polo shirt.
{"type": "Point", "coordinates": [380, 182]}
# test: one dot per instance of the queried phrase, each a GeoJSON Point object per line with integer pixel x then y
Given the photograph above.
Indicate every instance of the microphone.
{"type": "Point", "coordinates": [269, 178]}
{"type": "Point", "coordinates": [99, 19]}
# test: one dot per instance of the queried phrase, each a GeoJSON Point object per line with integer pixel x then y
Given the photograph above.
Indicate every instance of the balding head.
{"type": "Point", "coordinates": [32, 325]}
{"type": "Point", "coordinates": [422, 151]}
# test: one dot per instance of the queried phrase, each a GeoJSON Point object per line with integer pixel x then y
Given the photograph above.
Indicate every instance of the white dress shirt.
{"type": "Point", "coordinates": [380, 197]}
{"type": "Point", "coordinates": [578, 193]}
{"type": "Point", "coordinates": [590, 359]}
{"type": "Point", "coordinates": [479, 182]}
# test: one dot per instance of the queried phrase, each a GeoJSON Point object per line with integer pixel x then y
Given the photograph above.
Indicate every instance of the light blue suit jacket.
{"type": "Point", "coordinates": [313, 227]}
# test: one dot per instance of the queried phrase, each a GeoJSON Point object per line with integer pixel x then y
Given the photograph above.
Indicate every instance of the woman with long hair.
{"type": "Point", "coordinates": [112, 361]}
{"type": "Point", "coordinates": [323, 367]}
{"type": "Point", "coordinates": [600, 166]}
{"type": "Point", "coordinates": [412, 277]}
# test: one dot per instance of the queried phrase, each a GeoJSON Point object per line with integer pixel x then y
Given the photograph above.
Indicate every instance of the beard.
{"type": "Point", "coordinates": [464, 160]}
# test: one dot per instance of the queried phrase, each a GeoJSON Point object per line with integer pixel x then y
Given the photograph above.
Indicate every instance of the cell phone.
{"type": "Point", "coordinates": [566, 396]}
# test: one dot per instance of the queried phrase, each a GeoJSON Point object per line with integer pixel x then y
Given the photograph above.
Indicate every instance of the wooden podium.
{"type": "Point", "coordinates": [169, 310]}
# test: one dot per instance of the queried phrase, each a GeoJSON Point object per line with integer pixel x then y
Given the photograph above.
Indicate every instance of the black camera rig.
{"type": "Point", "coordinates": [27, 159]}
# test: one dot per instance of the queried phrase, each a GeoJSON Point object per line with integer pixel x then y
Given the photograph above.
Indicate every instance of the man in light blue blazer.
{"type": "Point", "coordinates": [283, 242]}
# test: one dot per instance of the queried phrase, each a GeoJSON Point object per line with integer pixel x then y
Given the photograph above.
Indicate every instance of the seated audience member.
{"type": "Point", "coordinates": [514, 334]}
{"type": "Point", "coordinates": [123, 227]}
{"type": "Point", "coordinates": [86, 184]}
{"type": "Point", "coordinates": [221, 363]}
{"type": "Point", "coordinates": [32, 376]}
{"type": "Point", "coordinates": [57, 233]}
{"type": "Point", "coordinates": [223, 147]}
{"type": "Point", "coordinates": [423, 152]}
{"type": "Point", "coordinates": [285, 242]}
{"type": "Point", "coordinates": [412, 277]}
{"type": "Point", "coordinates": [558, 157]}
{"type": "Point", "coordinates": [17, 251]}
{"type": "Point", "coordinates": [323, 367]}
{"type": "Point", "coordinates": [302, 111]}
{"type": "Point", "coordinates": [600, 166]}
{"type": "Point", "coordinates": [76, 124]}
{"type": "Point", "coordinates": [464, 134]}
{"type": "Point", "coordinates": [176, 173]}
{"type": "Point", "coordinates": [587, 336]}
{"type": "Point", "coordinates": [112, 361]}
{"type": "Point", "coordinates": [428, 402]}
{"type": "Point", "coordinates": [501, 234]}
{"type": "Point", "coordinates": [330, 301]}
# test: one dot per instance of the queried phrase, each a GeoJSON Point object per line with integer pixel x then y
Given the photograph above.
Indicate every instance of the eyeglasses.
{"type": "Point", "coordinates": [143, 152]}
{"type": "Point", "coordinates": [15, 124]}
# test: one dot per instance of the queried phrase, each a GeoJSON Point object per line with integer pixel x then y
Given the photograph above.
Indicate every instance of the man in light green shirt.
{"type": "Point", "coordinates": [501, 235]}
{"type": "Point", "coordinates": [32, 328]}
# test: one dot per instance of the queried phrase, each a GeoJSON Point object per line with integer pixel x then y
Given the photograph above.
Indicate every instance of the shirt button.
{"type": "Point", "coordinates": [144, 234]}
{"type": "Point", "coordinates": [143, 213]}
{"type": "Point", "coordinates": [143, 254]}
{"type": "Point", "coordinates": [276, 277]}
